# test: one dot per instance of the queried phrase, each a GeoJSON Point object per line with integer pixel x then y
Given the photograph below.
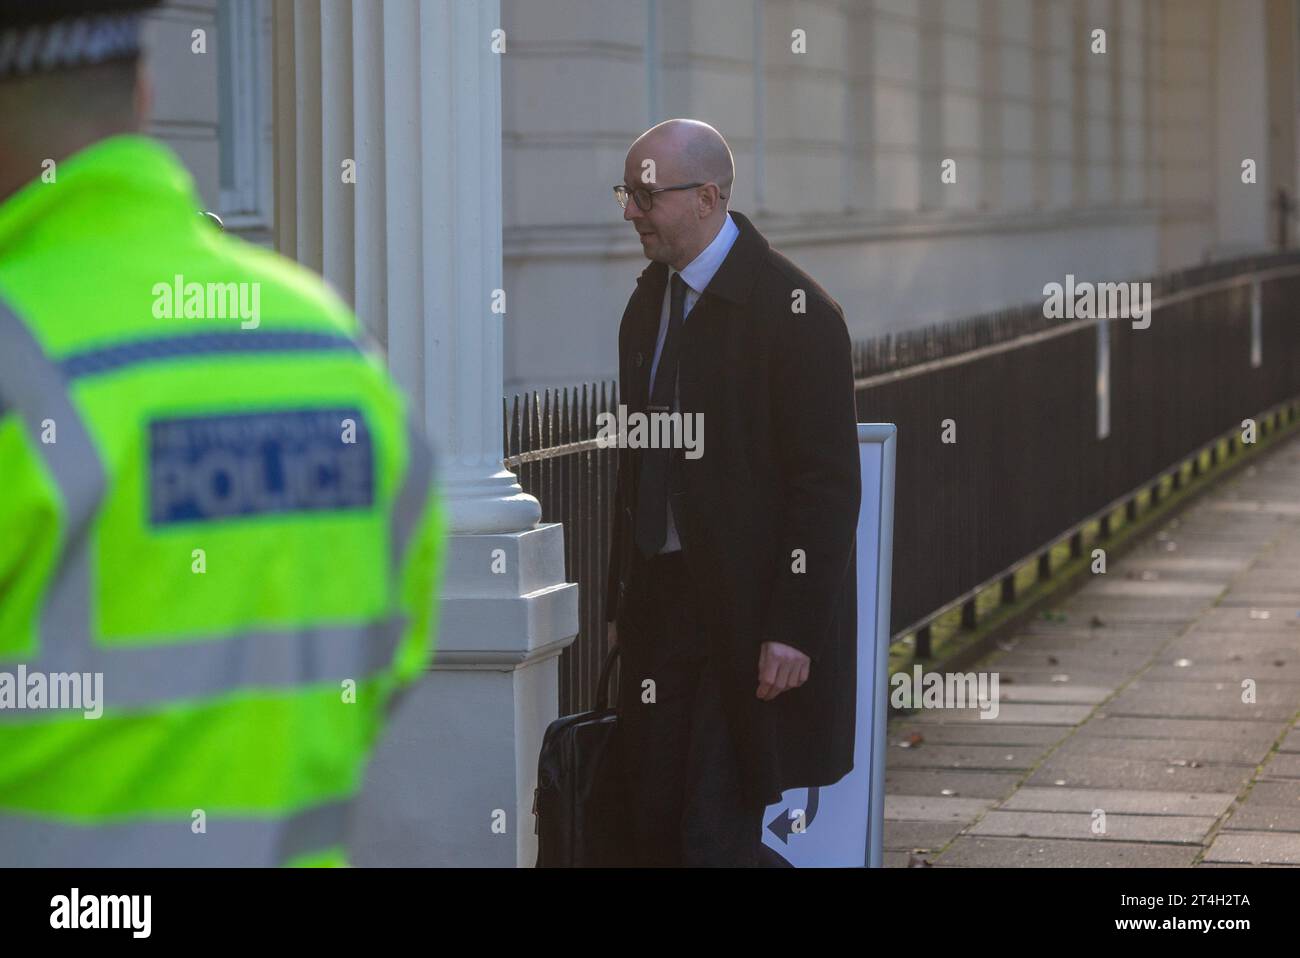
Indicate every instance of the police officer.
{"type": "Point", "coordinates": [219, 541]}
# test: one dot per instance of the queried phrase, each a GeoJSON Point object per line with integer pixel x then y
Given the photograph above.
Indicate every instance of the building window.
{"type": "Point", "coordinates": [244, 102]}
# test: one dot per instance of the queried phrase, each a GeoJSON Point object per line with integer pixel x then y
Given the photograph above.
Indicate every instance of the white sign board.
{"type": "Point", "coordinates": [843, 823]}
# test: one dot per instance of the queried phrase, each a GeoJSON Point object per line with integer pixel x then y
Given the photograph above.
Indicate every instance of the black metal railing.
{"type": "Point", "coordinates": [1027, 465]}
{"type": "Point", "coordinates": [550, 444]}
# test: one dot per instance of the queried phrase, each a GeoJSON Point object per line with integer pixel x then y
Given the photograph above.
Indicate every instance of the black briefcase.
{"type": "Point", "coordinates": [579, 803]}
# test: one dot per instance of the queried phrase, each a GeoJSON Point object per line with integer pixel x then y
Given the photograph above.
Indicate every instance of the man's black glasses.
{"type": "Point", "coordinates": [644, 198]}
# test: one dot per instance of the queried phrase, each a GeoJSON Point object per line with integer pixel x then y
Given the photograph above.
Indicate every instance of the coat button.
{"type": "Point", "coordinates": [640, 360]}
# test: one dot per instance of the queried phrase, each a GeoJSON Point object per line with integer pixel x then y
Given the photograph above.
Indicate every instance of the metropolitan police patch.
{"type": "Point", "coordinates": [219, 467]}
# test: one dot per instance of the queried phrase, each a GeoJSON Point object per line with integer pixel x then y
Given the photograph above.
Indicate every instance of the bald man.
{"type": "Point", "coordinates": [730, 592]}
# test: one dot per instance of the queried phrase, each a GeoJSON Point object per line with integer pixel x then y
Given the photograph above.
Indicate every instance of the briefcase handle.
{"type": "Point", "coordinates": [602, 684]}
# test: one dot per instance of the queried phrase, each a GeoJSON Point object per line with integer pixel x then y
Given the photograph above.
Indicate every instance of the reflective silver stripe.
{"type": "Point", "coordinates": [32, 386]}
{"type": "Point", "coordinates": [156, 674]}
{"type": "Point", "coordinates": [410, 499]}
{"type": "Point", "coordinates": [142, 676]}
{"type": "Point", "coordinates": [27, 841]}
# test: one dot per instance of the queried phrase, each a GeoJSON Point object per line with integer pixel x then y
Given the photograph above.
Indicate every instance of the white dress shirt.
{"type": "Point", "coordinates": [697, 277]}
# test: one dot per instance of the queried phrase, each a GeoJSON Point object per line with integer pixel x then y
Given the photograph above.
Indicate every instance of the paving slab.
{"type": "Point", "coordinates": [1253, 597]}
{"type": "Point", "coordinates": [1184, 565]}
{"type": "Point", "coordinates": [1227, 510]}
{"type": "Point", "coordinates": [1275, 670]}
{"type": "Point", "coordinates": [1273, 701]}
{"type": "Point", "coordinates": [982, 757]}
{"type": "Point", "coordinates": [909, 836]}
{"type": "Point", "coordinates": [987, 852]}
{"type": "Point", "coordinates": [1262, 649]}
{"type": "Point", "coordinates": [1092, 772]}
{"type": "Point", "coordinates": [1161, 708]}
{"type": "Point", "coordinates": [1210, 582]}
{"type": "Point", "coordinates": [1251, 627]}
{"type": "Point", "coordinates": [1012, 714]}
{"type": "Point", "coordinates": [1224, 515]}
{"type": "Point", "coordinates": [1205, 864]}
{"type": "Point", "coordinates": [1291, 743]}
{"type": "Point", "coordinates": [986, 733]}
{"type": "Point", "coordinates": [1203, 520]}
{"type": "Point", "coordinates": [1234, 621]}
{"type": "Point", "coordinates": [960, 783]}
{"type": "Point", "coordinates": [1115, 613]}
{"type": "Point", "coordinates": [1264, 818]}
{"type": "Point", "coordinates": [926, 808]}
{"type": "Point", "coordinates": [1270, 578]}
{"type": "Point", "coordinates": [1282, 793]}
{"type": "Point", "coordinates": [1282, 766]}
{"type": "Point", "coordinates": [1116, 827]}
{"type": "Point", "coordinates": [1285, 546]}
{"type": "Point", "coordinates": [1223, 542]}
{"type": "Point", "coordinates": [1275, 848]}
{"type": "Point", "coordinates": [1171, 750]}
{"type": "Point", "coordinates": [1069, 659]}
{"type": "Point", "coordinates": [1270, 507]}
{"type": "Point", "coordinates": [1094, 642]}
{"type": "Point", "coordinates": [1167, 588]}
{"type": "Point", "coordinates": [1119, 801]}
{"type": "Point", "coordinates": [1207, 729]}
{"type": "Point", "coordinates": [1080, 626]}
{"type": "Point", "coordinates": [1055, 675]}
{"type": "Point", "coordinates": [1063, 693]}
{"type": "Point", "coordinates": [1202, 579]}
{"type": "Point", "coordinates": [1275, 691]}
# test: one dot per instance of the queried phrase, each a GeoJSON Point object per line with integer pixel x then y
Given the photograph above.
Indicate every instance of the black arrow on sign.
{"type": "Point", "coordinates": [782, 825]}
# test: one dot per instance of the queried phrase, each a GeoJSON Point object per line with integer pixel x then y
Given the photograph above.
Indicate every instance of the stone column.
{"type": "Point", "coordinates": [452, 782]}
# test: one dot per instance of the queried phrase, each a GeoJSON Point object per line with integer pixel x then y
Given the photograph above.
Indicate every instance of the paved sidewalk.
{"type": "Point", "coordinates": [1132, 706]}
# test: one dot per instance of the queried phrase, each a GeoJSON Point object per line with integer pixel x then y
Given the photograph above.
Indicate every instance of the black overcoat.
{"type": "Point", "coordinates": [767, 515]}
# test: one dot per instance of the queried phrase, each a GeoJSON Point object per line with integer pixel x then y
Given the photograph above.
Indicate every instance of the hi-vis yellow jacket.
{"type": "Point", "coordinates": [219, 538]}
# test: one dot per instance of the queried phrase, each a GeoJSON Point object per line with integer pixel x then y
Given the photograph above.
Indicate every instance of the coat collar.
{"type": "Point", "coordinates": [125, 178]}
{"type": "Point", "coordinates": [734, 280]}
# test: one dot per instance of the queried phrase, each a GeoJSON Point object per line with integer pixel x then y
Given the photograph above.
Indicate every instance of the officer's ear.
{"type": "Point", "coordinates": [142, 101]}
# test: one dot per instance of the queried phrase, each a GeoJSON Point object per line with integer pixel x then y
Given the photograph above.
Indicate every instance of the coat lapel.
{"type": "Point", "coordinates": [733, 282]}
{"type": "Point", "coordinates": [645, 308]}
{"type": "Point", "coordinates": [730, 287]}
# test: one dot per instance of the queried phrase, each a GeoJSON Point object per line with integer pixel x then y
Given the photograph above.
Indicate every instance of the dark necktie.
{"type": "Point", "coordinates": [652, 489]}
